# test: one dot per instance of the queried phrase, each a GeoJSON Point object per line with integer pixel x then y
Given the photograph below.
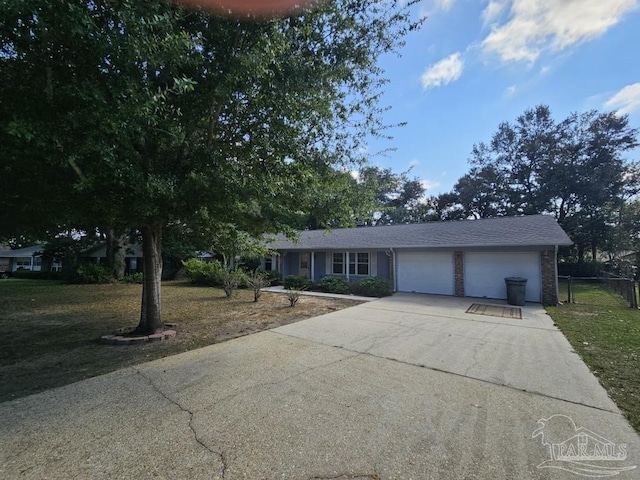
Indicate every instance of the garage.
{"type": "Point", "coordinates": [484, 273]}
{"type": "Point", "coordinates": [426, 272]}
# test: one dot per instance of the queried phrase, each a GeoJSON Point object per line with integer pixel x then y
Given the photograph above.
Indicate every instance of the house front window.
{"type": "Point", "coordinates": [359, 263]}
{"type": "Point", "coordinates": [23, 262]}
{"type": "Point", "coordinates": [268, 264]}
{"type": "Point", "coordinates": [338, 263]}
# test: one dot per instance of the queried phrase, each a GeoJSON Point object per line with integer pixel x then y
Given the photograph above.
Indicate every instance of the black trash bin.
{"type": "Point", "coordinates": [516, 289]}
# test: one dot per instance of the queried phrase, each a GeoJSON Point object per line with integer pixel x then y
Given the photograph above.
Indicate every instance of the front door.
{"type": "Point", "coordinates": [304, 265]}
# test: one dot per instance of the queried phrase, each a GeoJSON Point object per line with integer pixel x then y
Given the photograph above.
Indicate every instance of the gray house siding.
{"type": "Point", "coordinates": [320, 267]}
{"type": "Point", "coordinates": [291, 263]}
{"type": "Point", "coordinates": [378, 264]}
{"type": "Point", "coordinates": [383, 265]}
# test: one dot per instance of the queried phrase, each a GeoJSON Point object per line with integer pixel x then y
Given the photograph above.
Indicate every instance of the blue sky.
{"type": "Point", "coordinates": [477, 63]}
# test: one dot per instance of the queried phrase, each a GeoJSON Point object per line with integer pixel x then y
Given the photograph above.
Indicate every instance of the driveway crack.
{"type": "Point", "coordinates": [241, 391]}
{"type": "Point", "coordinates": [156, 388]}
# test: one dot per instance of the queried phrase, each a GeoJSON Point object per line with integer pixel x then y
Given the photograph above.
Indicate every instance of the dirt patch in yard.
{"type": "Point", "coordinates": [50, 331]}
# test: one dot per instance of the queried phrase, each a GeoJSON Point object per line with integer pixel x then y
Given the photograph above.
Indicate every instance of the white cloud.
{"type": "Point", "coordinates": [443, 72]}
{"type": "Point", "coordinates": [429, 184]}
{"type": "Point", "coordinates": [493, 10]}
{"type": "Point", "coordinates": [510, 91]}
{"type": "Point", "coordinates": [537, 25]}
{"type": "Point", "coordinates": [626, 100]}
{"type": "Point", "coordinates": [444, 4]}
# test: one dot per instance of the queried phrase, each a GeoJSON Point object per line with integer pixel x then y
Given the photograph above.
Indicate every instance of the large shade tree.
{"type": "Point", "coordinates": [574, 169]}
{"type": "Point", "coordinates": [138, 114]}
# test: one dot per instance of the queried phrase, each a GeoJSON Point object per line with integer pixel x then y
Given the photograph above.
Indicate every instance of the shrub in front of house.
{"type": "Point", "coordinates": [272, 276]}
{"type": "Point", "coordinates": [204, 273]}
{"type": "Point", "coordinates": [28, 274]}
{"type": "Point", "coordinates": [296, 282]}
{"type": "Point", "coordinates": [92, 273]}
{"type": "Point", "coordinates": [335, 285]}
{"type": "Point", "coordinates": [231, 280]}
{"type": "Point", "coordinates": [137, 277]}
{"type": "Point", "coordinates": [372, 287]}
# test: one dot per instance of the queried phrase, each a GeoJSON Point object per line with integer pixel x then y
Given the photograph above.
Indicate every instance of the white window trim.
{"type": "Point", "coordinates": [357, 263]}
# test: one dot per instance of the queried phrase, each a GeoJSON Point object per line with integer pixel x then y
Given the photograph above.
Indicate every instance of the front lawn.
{"type": "Point", "coordinates": [49, 331]}
{"type": "Point", "coordinates": [606, 333]}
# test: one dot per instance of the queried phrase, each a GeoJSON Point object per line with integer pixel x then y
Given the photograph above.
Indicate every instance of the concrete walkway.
{"type": "Point", "coordinates": [406, 387]}
{"type": "Point", "coordinates": [280, 289]}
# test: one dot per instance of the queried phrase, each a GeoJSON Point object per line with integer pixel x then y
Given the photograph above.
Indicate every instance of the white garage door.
{"type": "Point", "coordinates": [426, 272]}
{"type": "Point", "coordinates": [484, 273]}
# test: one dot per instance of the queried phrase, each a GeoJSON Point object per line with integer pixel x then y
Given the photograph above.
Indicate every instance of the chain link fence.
{"type": "Point", "coordinates": [627, 288]}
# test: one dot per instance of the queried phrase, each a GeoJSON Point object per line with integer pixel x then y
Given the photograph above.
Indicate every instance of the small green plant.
{"type": "Point", "coordinates": [293, 296]}
{"type": "Point", "coordinates": [256, 281]}
{"type": "Point", "coordinates": [372, 287]}
{"type": "Point", "coordinates": [137, 277]}
{"type": "Point", "coordinates": [92, 273]}
{"type": "Point", "coordinates": [204, 273]}
{"type": "Point", "coordinates": [335, 285]}
{"type": "Point", "coordinates": [232, 280]}
{"type": "Point", "coordinates": [296, 282]}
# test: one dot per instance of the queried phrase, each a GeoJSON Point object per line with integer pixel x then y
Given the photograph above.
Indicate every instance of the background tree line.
{"type": "Point", "coordinates": [575, 169]}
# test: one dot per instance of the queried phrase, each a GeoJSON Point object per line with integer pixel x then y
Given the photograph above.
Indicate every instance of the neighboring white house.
{"type": "Point", "coordinates": [28, 258]}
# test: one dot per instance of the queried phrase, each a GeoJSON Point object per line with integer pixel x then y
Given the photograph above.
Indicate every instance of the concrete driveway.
{"type": "Point", "coordinates": [408, 387]}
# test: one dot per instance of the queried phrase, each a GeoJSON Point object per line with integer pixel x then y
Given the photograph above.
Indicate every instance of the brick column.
{"type": "Point", "coordinates": [549, 277]}
{"type": "Point", "coordinates": [458, 260]}
{"type": "Point", "coordinates": [392, 271]}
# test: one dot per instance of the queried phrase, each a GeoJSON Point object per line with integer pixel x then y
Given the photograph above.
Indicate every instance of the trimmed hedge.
{"type": "Point", "coordinates": [335, 285]}
{"type": "Point", "coordinates": [92, 273]}
{"type": "Point", "coordinates": [271, 275]}
{"type": "Point", "coordinates": [372, 287]}
{"type": "Point", "coordinates": [296, 282]}
{"type": "Point", "coordinates": [137, 277]}
{"type": "Point", "coordinates": [28, 274]}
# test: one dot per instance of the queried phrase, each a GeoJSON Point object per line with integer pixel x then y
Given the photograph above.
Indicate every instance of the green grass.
{"type": "Point", "coordinates": [606, 333]}
{"type": "Point", "coordinates": [49, 331]}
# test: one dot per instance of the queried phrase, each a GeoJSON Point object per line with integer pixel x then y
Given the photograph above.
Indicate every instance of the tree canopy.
{"type": "Point", "coordinates": [574, 169]}
{"type": "Point", "coordinates": [139, 114]}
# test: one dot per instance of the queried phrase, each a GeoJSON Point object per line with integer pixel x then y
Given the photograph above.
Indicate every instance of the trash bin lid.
{"type": "Point", "coordinates": [515, 279]}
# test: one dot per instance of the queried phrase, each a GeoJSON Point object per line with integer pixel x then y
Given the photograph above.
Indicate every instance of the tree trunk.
{"type": "Point", "coordinates": [116, 253]}
{"type": "Point", "coordinates": [150, 312]}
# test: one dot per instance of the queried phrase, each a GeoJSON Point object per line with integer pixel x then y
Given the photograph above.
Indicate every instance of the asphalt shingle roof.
{"type": "Point", "coordinates": [530, 230]}
{"type": "Point", "coordinates": [21, 252]}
